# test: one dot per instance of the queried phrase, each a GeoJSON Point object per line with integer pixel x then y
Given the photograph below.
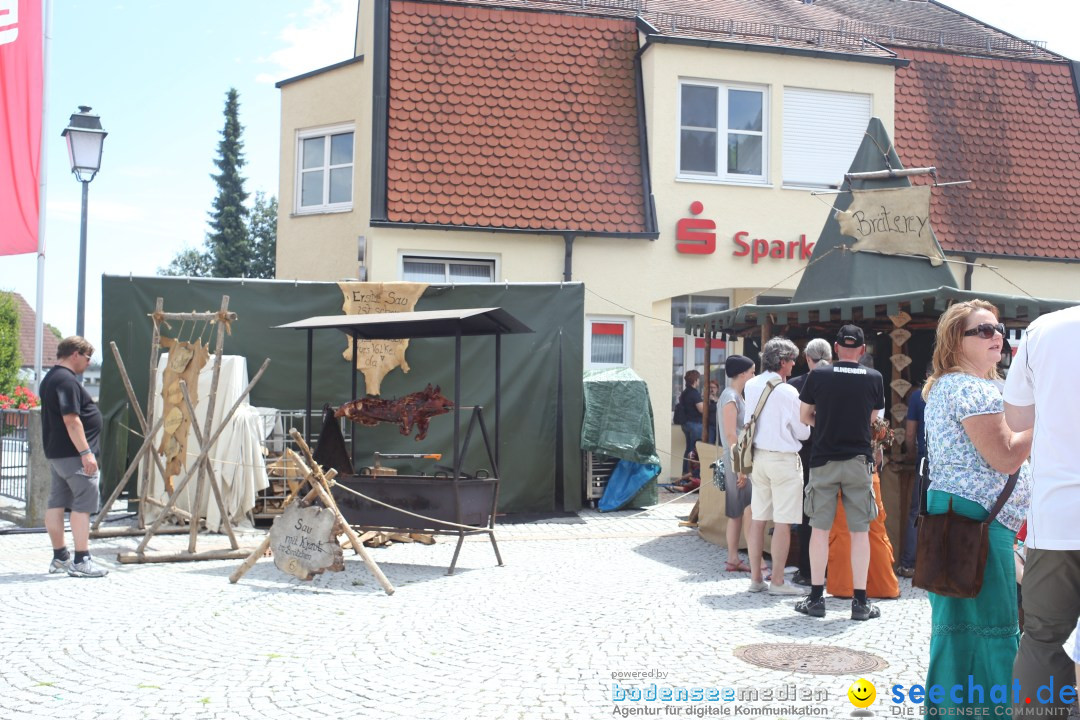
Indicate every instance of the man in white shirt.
{"type": "Point", "coordinates": [1041, 392]}
{"type": "Point", "coordinates": [777, 476]}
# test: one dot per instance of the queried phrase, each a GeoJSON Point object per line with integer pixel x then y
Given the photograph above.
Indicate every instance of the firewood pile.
{"type": "Point", "coordinates": [375, 538]}
{"type": "Point", "coordinates": [285, 475]}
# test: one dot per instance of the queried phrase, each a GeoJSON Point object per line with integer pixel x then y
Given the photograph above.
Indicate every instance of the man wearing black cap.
{"type": "Point", "coordinates": [841, 402]}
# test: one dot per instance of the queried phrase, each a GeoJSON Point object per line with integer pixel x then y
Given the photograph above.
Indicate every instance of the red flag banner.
{"type": "Point", "coordinates": [21, 84]}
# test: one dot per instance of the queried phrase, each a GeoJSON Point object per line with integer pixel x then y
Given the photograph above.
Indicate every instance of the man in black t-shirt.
{"type": "Point", "coordinates": [70, 430]}
{"type": "Point", "coordinates": [841, 402]}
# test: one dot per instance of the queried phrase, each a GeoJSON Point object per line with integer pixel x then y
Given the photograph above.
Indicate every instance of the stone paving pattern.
{"type": "Point", "coordinates": [580, 599]}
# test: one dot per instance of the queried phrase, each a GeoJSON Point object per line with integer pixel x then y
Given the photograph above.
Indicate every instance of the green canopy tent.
{"type": "Point", "coordinates": [896, 299]}
{"type": "Point", "coordinates": [868, 289]}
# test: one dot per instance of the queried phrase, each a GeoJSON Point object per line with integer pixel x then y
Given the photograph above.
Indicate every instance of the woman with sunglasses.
{"type": "Point", "coordinates": [972, 452]}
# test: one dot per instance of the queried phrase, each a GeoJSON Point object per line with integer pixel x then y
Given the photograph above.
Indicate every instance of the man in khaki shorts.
{"type": "Point", "coordinates": [841, 402]}
{"type": "Point", "coordinates": [777, 476]}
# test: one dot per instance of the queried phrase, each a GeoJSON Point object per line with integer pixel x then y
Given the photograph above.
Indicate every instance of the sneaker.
{"type": "Point", "coordinates": [864, 610]}
{"type": "Point", "coordinates": [59, 566]}
{"type": "Point", "coordinates": [905, 572]}
{"type": "Point", "coordinates": [87, 568]}
{"type": "Point", "coordinates": [757, 586]}
{"type": "Point", "coordinates": [799, 579]}
{"type": "Point", "coordinates": [785, 589]}
{"type": "Point", "coordinates": [813, 608]}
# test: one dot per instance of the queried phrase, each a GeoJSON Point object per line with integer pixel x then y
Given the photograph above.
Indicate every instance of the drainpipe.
{"type": "Point", "coordinates": [970, 260]}
{"type": "Point", "coordinates": [568, 258]}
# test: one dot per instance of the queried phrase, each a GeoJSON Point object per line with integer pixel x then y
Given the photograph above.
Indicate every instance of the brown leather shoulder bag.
{"type": "Point", "coordinates": [951, 549]}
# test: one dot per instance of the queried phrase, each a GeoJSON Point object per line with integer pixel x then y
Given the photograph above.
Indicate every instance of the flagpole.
{"type": "Point", "coordinates": [43, 175]}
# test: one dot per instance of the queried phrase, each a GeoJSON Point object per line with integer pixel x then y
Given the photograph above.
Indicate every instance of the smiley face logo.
{"type": "Point", "coordinates": [862, 693]}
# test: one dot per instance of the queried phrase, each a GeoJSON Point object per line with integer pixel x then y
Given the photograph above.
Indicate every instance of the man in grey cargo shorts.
{"type": "Point", "coordinates": [841, 402]}
{"type": "Point", "coordinates": [70, 430]}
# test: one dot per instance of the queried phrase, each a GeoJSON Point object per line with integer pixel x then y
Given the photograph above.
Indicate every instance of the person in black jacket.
{"type": "Point", "coordinates": [691, 403]}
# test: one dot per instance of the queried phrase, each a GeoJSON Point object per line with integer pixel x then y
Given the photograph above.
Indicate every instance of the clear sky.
{"type": "Point", "coordinates": [157, 72]}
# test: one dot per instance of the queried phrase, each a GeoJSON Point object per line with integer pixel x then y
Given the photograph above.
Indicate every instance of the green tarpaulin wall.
{"type": "Point", "coordinates": [542, 401]}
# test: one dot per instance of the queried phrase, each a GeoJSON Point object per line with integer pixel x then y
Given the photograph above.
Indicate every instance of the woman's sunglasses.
{"type": "Point", "coordinates": [986, 330]}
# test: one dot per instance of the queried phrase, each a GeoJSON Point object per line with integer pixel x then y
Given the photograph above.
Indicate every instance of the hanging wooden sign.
{"type": "Point", "coordinates": [302, 539]}
{"type": "Point", "coordinates": [900, 361]}
{"type": "Point", "coordinates": [900, 336]}
{"type": "Point", "coordinates": [893, 221]}
{"type": "Point", "coordinates": [376, 358]}
{"type": "Point", "coordinates": [900, 386]}
{"type": "Point", "coordinates": [900, 319]}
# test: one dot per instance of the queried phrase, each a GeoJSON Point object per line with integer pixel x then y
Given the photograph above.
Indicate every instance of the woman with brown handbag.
{"type": "Point", "coordinates": [972, 452]}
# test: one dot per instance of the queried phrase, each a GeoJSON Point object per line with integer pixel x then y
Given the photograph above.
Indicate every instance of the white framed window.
{"type": "Point", "coordinates": [436, 268]}
{"type": "Point", "coordinates": [607, 341]}
{"type": "Point", "coordinates": [822, 132]}
{"type": "Point", "coordinates": [722, 132]}
{"type": "Point", "coordinates": [324, 169]}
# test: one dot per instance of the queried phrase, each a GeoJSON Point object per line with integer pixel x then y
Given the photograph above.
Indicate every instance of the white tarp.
{"type": "Point", "coordinates": [236, 457]}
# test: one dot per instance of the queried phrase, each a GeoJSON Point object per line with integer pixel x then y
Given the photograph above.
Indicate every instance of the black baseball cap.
{"type": "Point", "coordinates": [850, 336]}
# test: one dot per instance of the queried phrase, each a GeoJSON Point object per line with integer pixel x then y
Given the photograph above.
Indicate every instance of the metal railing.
{"type": "Point", "coordinates": [14, 453]}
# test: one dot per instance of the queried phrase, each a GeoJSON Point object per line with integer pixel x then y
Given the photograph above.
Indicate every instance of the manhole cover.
{"type": "Point", "coordinates": [816, 659]}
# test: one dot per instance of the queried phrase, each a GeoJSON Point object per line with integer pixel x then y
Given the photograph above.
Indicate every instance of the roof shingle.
{"type": "Point", "coordinates": [26, 335]}
{"type": "Point", "coordinates": [513, 119]}
{"type": "Point", "coordinates": [1010, 127]}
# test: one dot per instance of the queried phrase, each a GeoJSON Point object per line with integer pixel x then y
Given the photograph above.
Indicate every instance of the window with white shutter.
{"type": "Point", "coordinates": [822, 132]}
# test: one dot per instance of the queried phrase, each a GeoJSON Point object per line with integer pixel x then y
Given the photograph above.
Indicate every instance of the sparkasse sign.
{"type": "Point", "coordinates": [697, 236]}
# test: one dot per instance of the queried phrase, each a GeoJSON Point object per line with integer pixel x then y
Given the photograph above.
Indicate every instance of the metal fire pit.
{"type": "Point", "coordinates": [450, 502]}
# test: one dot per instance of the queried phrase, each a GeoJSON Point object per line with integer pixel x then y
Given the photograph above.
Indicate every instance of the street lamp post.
{"type": "Point", "coordinates": [84, 140]}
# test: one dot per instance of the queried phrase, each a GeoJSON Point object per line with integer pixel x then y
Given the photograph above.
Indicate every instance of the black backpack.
{"type": "Point", "coordinates": [679, 416]}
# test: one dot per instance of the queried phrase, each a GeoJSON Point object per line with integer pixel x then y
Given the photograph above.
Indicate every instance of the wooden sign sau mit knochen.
{"type": "Point", "coordinates": [303, 542]}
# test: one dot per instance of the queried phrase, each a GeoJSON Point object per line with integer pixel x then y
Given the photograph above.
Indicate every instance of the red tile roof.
{"type": "Point", "coordinates": [513, 119]}
{"type": "Point", "coordinates": [26, 335]}
{"type": "Point", "coordinates": [833, 26]}
{"type": "Point", "coordinates": [1013, 129]}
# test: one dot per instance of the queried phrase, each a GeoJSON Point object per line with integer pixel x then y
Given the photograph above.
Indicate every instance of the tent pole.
{"type": "Point", "coordinates": [307, 423]}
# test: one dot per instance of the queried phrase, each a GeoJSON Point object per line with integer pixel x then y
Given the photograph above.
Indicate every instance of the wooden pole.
{"type": "Point", "coordinates": [177, 512]}
{"type": "Point", "coordinates": [135, 403]}
{"type": "Point", "coordinates": [134, 557]}
{"type": "Point", "coordinates": [196, 317]}
{"type": "Point", "coordinates": [147, 446]}
{"type": "Point", "coordinates": [202, 454]}
{"type": "Point", "coordinates": [261, 550]}
{"type": "Point", "coordinates": [323, 487]}
{"type": "Point", "coordinates": [209, 470]}
{"type": "Point", "coordinates": [155, 352]}
{"type": "Point", "coordinates": [208, 424]}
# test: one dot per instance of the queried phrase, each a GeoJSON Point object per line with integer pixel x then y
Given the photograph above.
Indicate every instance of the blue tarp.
{"type": "Point", "coordinates": [626, 481]}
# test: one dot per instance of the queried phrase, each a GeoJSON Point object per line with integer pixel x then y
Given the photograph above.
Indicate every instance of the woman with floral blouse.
{"type": "Point", "coordinates": [971, 453]}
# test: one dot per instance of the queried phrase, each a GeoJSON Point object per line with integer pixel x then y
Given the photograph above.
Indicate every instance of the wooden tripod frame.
{"type": "Point", "coordinates": [320, 483]}
{"type": "Point", "coordinates": [201, 468]}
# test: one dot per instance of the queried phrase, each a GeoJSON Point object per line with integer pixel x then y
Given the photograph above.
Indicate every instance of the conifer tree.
{"type": "Point", "coordinates": [262, 234]}
{"type": "Point", "coordinates": [241, 242]}
{"type": "Point", "coordinates": [229, 245]}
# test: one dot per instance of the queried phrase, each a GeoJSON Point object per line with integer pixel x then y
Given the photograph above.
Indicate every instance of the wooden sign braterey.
{"type": "Point", "coordinates": [303, 542]}
{"type": "Point", "coordinates": [892, 221]}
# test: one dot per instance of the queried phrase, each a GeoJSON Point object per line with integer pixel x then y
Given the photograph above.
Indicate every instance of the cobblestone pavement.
{"type": "Point", "coordinates": [582, 603]}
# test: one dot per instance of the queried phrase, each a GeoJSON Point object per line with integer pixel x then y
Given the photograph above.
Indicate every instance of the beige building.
{"type": "Point", "coordinates": [666, 161]}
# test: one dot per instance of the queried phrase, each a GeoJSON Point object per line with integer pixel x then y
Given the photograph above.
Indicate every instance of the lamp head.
{"type": "Point", "coordinates": [85, 139]}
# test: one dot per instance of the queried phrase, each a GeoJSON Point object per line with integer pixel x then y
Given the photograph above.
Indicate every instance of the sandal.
{"type": "Point", "coordinates": [739, 566]}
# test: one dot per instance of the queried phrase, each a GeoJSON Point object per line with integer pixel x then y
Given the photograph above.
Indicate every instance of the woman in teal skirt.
{"type": "Point", "coordinates": [972, 452]}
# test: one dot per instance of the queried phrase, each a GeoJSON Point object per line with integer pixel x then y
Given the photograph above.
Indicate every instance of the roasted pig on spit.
{"type": "Point", "coordinates": [413, 409]}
